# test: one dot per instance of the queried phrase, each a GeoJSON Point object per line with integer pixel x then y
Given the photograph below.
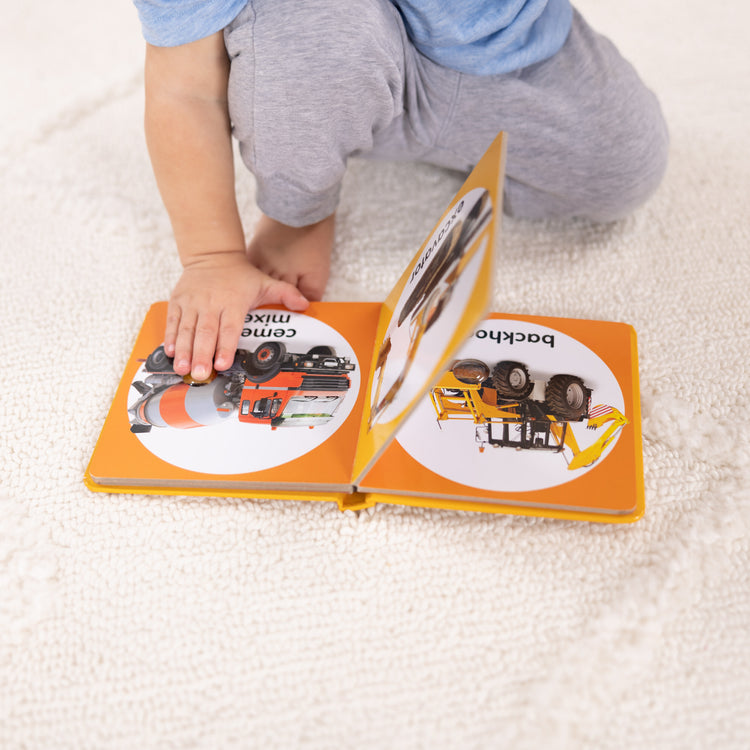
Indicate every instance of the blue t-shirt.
{"type": "Point", "coordinates": [483, 37]}
{"type": "Point", "coordinates": [167, 23]}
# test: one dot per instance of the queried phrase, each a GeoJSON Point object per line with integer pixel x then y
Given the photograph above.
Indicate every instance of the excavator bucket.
{"type": "Point", "coordinates": [598, 416]}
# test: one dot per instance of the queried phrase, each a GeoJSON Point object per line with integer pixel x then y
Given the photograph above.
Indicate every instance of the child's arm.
{"type": "Point", "coordinates": [189, 140]}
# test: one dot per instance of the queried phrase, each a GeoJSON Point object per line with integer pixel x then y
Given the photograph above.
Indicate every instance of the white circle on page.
{"type": "Point", "coordinates": [450, 449]}
{"type": "Point", "coordinates": [235, 447]}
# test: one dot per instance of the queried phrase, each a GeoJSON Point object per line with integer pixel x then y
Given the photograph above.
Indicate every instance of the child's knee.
{"type": "Point", "coordinates": [605, 178]}
{"type": "Point", "coordinates": [606, 143]}
{"type": "Point", "coordinates": [631, 167]}
{"type": "Point", "coordinates": [617, 161]}
{"type": "Point", "coordinates": [309, 85]}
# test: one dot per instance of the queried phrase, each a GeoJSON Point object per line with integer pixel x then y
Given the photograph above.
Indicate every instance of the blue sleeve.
{"type": "Point", "coordinates": [167, 23]}
{"type": "Point", "coordinates": [487, 37]}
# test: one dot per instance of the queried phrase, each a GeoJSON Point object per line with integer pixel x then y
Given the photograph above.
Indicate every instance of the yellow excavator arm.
{"type": "Point", "coordinates": [602, 415]}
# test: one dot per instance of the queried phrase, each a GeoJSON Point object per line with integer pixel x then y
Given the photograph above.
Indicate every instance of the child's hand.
{"type": "Point", "coordinates": [208, 306]}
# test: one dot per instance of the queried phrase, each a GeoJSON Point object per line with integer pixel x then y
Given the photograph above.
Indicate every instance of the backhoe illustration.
{"type": "Point", "coordinates": [430, 296]}
{"type": "Point", "coordinates": [510, 409]}
{"type": "Point", "coordinates": [267, 386]}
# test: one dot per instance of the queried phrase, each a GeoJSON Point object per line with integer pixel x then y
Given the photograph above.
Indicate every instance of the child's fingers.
{"type": "Point", "coordinates": [183, 348]}
{"type": "Point", "coordinates": [204, 344]}
{"type": "Point", "coordinates": [232, 319]}
{"type": "Point", "coordinates": [230, 328]}
{"type": "Point", "coordinates": [288, 295]}
{"type": "Point", "coordinates": [170, 330]}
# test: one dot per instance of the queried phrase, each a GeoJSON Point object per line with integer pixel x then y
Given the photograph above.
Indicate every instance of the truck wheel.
{"type": "Point", "coordinates": [472, 371]}
{"type": "Point", "coordinates": [264, 363]}
{"type": "Point", "coordinates": [268, 355]}
{"type": "Point", "coordinates": [511, 380]}
{"type": "Point", "coordinates": [567, 397]}
{"type": "Point", "coordinates": [158, 361]}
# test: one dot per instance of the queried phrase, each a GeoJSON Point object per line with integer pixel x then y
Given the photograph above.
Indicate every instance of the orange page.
{"type": "Point", "coordinates": [286, 419]}
{"type": "Point", "coordinates": [464, 447]}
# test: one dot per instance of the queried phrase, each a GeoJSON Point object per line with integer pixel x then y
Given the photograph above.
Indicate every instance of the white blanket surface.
{"type": "Point", "coordinates": [166, 622]}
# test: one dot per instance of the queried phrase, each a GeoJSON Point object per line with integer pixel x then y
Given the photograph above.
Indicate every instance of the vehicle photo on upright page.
{"type": "Point", "coordinates": [433, 293]}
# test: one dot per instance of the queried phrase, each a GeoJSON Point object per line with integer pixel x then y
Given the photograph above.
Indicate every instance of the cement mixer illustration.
{"type": "Point", "coordinates": [268, 386]}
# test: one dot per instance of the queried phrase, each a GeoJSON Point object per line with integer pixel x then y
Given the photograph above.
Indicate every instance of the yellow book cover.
{"type": "Point", "coordinates": [409, 401]}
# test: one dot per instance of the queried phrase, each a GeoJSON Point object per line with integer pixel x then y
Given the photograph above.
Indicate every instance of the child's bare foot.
{"type": "Point", "coordinates": [297, 255]}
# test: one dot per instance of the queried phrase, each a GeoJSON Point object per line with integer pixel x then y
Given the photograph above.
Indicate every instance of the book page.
{"type": "Point", "coordinates": [534, 412]}
{"type": "Point", "coordinates": [285, 415]}
{"type": "Point", "coordinates": [442, 295]}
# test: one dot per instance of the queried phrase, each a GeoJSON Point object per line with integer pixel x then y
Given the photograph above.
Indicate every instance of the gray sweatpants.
{"type": "Point", "coordinates": [315, 82]}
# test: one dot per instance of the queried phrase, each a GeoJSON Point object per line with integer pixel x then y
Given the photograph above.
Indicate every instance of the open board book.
{"type": "Point", "coordinates": [425, 399]}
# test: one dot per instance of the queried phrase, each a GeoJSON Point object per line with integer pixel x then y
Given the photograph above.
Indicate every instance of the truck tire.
{"type": "Point", "coordinates": [268, 355]}
{"type": "Point", "coordinates": [567, 397]}
{"type": "Point", "coordinates": [158, 361]}
{"type": "Point", "coordinates": [264, 363]}
{"type": "Point", "coordinates": [512, 381]}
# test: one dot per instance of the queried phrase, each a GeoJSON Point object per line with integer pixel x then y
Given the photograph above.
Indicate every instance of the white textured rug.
{"type": "Point", "coordinates": [150, 622]}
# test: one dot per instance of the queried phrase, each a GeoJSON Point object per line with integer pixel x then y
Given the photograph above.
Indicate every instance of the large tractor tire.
{"type": "Point", "coordinates": [567, 397]}
{"type": "Point", "coordinates": [512, 381]}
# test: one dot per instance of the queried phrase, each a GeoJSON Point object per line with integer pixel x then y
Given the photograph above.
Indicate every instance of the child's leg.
{"type": "Point", "coordinates": [315, 82]}
{"type": "Point", "coordinates": [310, 83]}
{"type": "Point", "coordinates": [585, 136]}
